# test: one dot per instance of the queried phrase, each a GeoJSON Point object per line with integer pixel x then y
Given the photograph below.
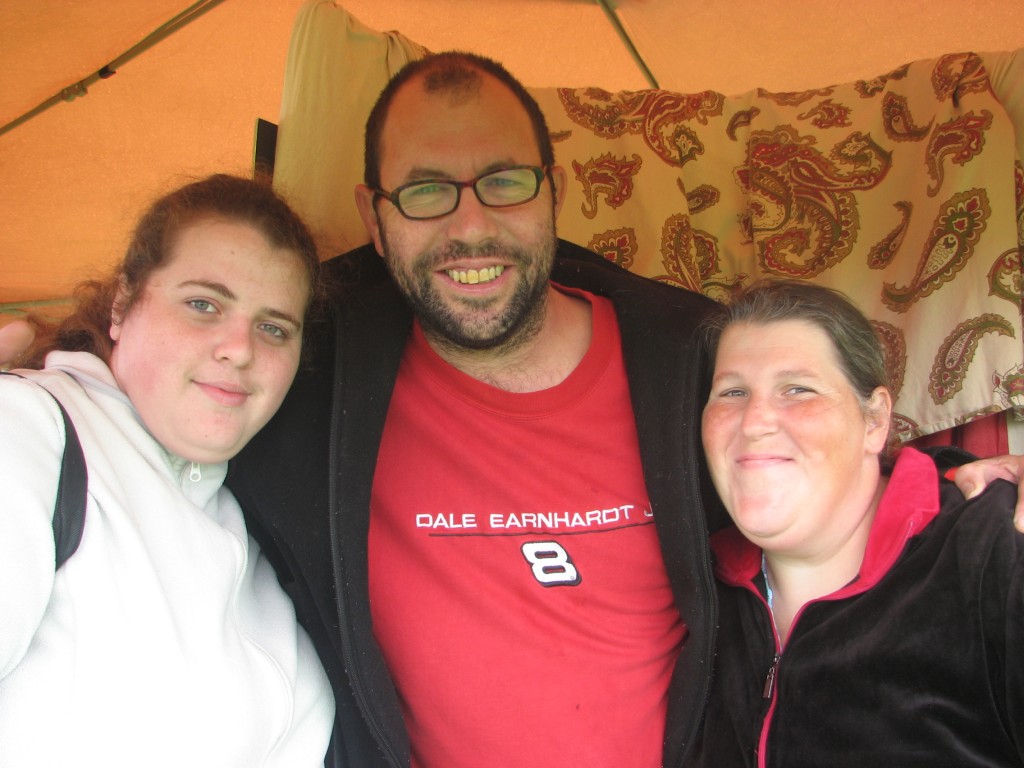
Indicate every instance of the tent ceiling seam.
{"type": "Point", "coordinates": [81, 87]}
{"type": "Point", "coordinates": [613, 18]}
{"type": "Point", "coordinates": [23, 307]}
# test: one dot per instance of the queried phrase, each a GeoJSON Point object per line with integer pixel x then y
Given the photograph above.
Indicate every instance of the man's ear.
{"type": "Point", "coordinates": [560, 181]}
{"type": "Point", "coordinates": [368, 213]}
{"type": "Point", "coordinates": [878, 420]}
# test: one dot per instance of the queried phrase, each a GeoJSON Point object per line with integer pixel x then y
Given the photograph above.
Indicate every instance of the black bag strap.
{"type": "Point", "coordinates": [69, 510]}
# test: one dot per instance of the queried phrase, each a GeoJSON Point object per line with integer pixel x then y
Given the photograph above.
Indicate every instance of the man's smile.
{"type": "Point", "coordinates": [474, 276]}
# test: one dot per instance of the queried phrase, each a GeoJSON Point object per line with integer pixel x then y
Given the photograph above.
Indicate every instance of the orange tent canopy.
{"type": "Point", "coordinates": [76, 175]}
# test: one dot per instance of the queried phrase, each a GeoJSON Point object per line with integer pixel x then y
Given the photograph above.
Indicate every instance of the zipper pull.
{"type": "Point", "coordinates": [194, 474]}
{"type": "Point", "coordinates": [769, 683]}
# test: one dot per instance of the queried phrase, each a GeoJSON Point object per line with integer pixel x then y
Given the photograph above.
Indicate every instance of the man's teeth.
{"type": "Point", "coordinates": [474, 276]}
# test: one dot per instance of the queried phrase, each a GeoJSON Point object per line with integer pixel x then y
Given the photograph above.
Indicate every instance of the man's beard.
{"type": "Point", "coordinates": [472, 329]}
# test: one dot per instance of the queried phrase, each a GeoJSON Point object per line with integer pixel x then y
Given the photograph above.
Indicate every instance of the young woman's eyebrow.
{"type": "Point", "coordinates": [220, 288]}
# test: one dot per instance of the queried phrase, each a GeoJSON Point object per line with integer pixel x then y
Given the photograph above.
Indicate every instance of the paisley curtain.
{"type": "Point", "coordinates": [905, 191]}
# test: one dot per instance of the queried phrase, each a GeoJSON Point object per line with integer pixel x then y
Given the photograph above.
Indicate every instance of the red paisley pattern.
{"type": "Point", "coordinates": [793, 98]}
{"type": "Point", "coordinates": [950, 366]}
{"type": "Point", "coordinates": [827, 114]}
{"type": "Point", "coordinates": [691, 260]}
{"type": "Point", "coordinates": [616, 245]}
{"type": "Point", "coordinates": [905, 427]}
{"type": "Point", "coordinates": [951, 244]}
{"type": "Point", "coordinates": [660, 117]}
{"type": "Point", "coordinates": [607, 177]}
{"type": "Point", "coordinates": [803, 214]}
{"type": "Point", "coordinates": [897, 120]}
{"type": "Point", "coordinates": [1004, 279]}
{"type": "Point", "coordinates": [959, 140]}
{"type": "Point", "coordinates": [868, 88]}
{"type": "Point", "coordinates": [1009, 385]}
{"type": "Point", "coordinates": [905, 191]}
{"type": "Point", "coordinates": [958, 74]}
{"type": "Point", "coordinates": [701, 198]}
{"type": "Point", "coordinates": [882, 253]}
{"type": "Point", "coordinates": [742, 119]}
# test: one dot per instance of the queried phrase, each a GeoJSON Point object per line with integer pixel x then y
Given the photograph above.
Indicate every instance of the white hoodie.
{"type": "Point", "coordinates": [166, 639]}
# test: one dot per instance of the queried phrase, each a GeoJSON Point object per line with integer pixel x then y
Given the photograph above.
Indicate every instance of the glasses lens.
{"type": "Point", "coordinates": [511, 186]}
{"type": "Point", "coordinates": [431, 198]}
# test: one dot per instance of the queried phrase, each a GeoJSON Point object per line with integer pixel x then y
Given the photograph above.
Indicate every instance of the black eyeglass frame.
{"type": "Point", "coordinates": [392, 196]}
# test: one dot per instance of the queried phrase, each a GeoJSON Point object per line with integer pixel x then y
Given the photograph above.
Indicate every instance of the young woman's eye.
{"type": "Point", "coordinates": [275, 330]}
{"type": "Point", "coordinates": [734, 392]}
{"type": "Point", "coordinates": [798, 389]}
{"type": "Point", "coordinates": [202, 305]}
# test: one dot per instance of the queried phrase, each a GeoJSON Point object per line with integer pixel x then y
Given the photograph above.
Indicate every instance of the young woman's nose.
{"type": "Point", "coordinates": [759, 416]}
{"type": "Point", "coordinates": [235, 343]}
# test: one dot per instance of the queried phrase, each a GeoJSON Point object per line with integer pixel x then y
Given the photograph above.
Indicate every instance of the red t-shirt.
{"type": "Point", "coordinates": [516, 583]}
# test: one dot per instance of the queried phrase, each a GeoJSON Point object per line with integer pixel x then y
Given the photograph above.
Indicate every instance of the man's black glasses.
{"type": "Point", "coordinates": [433, 198]}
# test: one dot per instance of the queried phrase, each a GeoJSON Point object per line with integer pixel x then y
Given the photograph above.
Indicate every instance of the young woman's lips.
{"type": "Point", "coordinates": [760, 460]}
{"type": "Point", "coordinates": [223, 393]}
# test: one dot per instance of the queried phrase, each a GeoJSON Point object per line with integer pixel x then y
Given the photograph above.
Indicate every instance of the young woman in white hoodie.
{"type": "Point", "coordinates": [165, 639]}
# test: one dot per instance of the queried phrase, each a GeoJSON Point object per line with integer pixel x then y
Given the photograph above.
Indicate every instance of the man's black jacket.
{"type": "Point", "coordinates": [304, 483]}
